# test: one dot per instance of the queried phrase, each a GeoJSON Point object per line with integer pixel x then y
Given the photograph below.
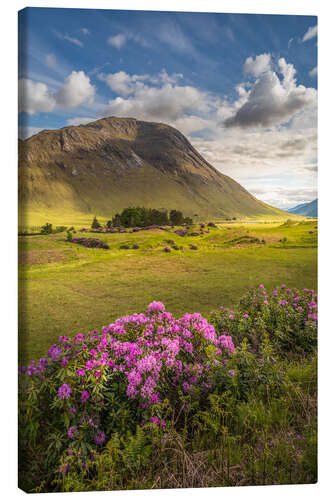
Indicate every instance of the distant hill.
{"type": "Point", "coordinates": [109, 164]}
{"type": "Point", "coordinates": [308, 209]}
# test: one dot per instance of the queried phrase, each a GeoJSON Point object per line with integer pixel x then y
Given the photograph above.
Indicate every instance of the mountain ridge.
{"type": "Point", "coordinates": [108, 164]}
{"type": "Point", "coordinates": [309, 209]}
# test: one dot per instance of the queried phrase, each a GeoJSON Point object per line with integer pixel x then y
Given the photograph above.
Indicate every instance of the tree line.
{"type": "Point", "coordinates": [141, 217]}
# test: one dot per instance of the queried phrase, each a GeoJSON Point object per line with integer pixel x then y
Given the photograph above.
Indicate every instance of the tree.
{"type": "Point", "coordinates": [46, 229]}
{"type": "Point", "coordinates": [116, 221]}
{"type": "Point", "coordinates": [176, 217]}
{"type": "Point", "coordinates": [95, 224]}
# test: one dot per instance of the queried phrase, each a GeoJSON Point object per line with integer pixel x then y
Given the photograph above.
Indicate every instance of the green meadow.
{"type": "Point", "coordinates": [65, 288]}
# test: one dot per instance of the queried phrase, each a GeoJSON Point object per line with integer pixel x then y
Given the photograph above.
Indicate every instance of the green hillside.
{"type": "Point", "coordinates": [102, 167]}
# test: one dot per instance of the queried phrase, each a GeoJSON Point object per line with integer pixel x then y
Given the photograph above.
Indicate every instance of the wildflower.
{"type": "Point", "coordinates": [63, 339]}
{"type": "Point", "coordinates": [64, 362]}
{"type": "Point", "coordinates": [99, 437]}
{"type": "Point", "coordinates": [72, 432]}
{"type": "Point", "coordinates": [261, 286]}
{"type": "Point", "coordinates": [80, 372]}
{"type": "Point", "coordinates": [84, 396]}
{"type": "Point", "coordinates": [64, 469]}
{"type": "Point", "coordinates": [54, 352]}
{"type": "Point", "coordinates": [231, 372]}
{"type": "Point", "coordinates": [156, 307]}
{"type": "Point", "coordinates": [64, 391]}
{"type": "Point", "coordinates": [186, 387]}
{"type": "Point", "coordinates": [90, 364]}
{"type": "Point", "coordinates": [245, 316]}
{"type": "Point", "coordinates": [79, 337]}
{"type": "Point", "coordinates": [42, 364]}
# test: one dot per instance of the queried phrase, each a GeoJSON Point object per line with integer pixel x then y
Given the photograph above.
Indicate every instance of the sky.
{"type": "Point", "coordinates": [241, 87]}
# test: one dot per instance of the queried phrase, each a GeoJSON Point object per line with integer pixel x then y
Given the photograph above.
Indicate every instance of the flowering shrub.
{"type": "Point", "coordinates": [180, 232]}
{"type": "Point", "coordinates": [88, 242]}
{"type": "Point", "coordinates": [93, 385]}
{"type": "Point", "coordinates": [288, 316]}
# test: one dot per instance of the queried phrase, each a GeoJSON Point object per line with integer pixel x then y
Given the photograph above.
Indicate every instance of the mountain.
{"type": "Point", "coordinates": [112, 163]}
{"type": "Point", "coordinates": [308, 209]}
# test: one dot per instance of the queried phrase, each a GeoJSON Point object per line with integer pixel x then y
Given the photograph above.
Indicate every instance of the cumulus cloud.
{"type": "Point", "coordinates": [34, 96]}
{"type": "Point", "coordinates": [258, 65]}
{"type": "Point", "coordinates": [167, 103]}
{"type": "Point", "coordinates": [273, 100]}
{"type": "Point", "coordinates": [85, 31]}
{"type": "Point", "coordinates": [191, 123]}
{"type": "Point", "coordinates": [75, 91]}
{"type": "Point", "coordinates": [117, 41]}
{"type": "Point", "coordinates": [314, 72]}
{"type": "Point", "coordinates": [123, 83]}
{"type": "Point", "coordinates": [51, 60]}
{"type": "Point", "coordinates": [311, 33]}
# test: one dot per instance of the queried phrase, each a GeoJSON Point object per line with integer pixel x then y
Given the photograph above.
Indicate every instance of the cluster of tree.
{"type": "Point", "coordinates": [49, 229]}
{"type": "Point", "coordinates": [141, 217]}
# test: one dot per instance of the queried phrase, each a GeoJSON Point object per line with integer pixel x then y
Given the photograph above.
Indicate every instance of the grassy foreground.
{"type": "Point", "coordinates": [66, 288]}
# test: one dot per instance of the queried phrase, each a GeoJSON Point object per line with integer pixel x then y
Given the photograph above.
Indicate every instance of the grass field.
{"type": "Point", "coordinates": [66, 288]}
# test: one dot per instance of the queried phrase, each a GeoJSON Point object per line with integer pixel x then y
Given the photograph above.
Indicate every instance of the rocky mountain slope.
{"type": "Point", "coordinates": [106, 165]}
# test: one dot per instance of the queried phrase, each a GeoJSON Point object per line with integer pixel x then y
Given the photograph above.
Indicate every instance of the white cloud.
{"type": "Point", "coordinates": [314, 72]}
{"type": "Point", "coordinates": [34, 96]}
{"type": "Point", "coordinates": [71, 39]}
{"type": "Point", "coordinates": [164, 77]}
{"type": "Point", "coordinates": [167, 103]}
{"type": "Point", "coordinates": [311, 33]}
{"type": "Point", "coordinates": [85, 31]}
{"type": "Point", "coordinates": [80, 120]}
{"type": "Point", "coordinates": [247, 154]}
{"type": "Point", "coordinates": [271, 100]}
{"type": "Point", "coordinates": [258, 65]}
{"type": "Point", "coordinates": [75, 91]}
{"type": "Point", "coordinates": [285, 197]}
{"type": "Point", "coordinates": [117, 41]}
{"type": "Point", "coordinates": [123, 83]}
{"type": "Point", "coordinates": [191, 123]}
{"type": "Point", "coordinates": [171, 34]}
{"type": "Point", "coordinates": [51, 60]}
{"type": "Point", "coordinates": [126, 84]}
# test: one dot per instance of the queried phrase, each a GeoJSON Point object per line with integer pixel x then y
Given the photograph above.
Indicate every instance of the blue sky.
{"type": "Point", "coordinates": [242, 88]}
